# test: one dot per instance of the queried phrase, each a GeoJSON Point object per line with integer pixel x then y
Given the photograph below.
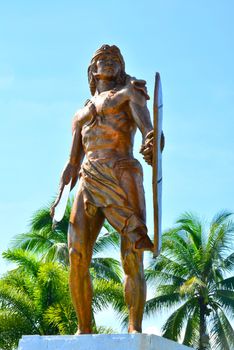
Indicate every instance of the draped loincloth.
{"type": "Point", "coordinates": [101, 186]}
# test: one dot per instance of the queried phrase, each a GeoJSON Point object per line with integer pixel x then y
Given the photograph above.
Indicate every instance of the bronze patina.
{"type": "Point", "coordinates": [110, 181]}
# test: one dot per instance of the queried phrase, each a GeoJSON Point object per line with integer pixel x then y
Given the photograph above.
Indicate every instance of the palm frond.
{"type": "Point", "coordinates": [104, 330]}
{"type": "Point", "coordinates": [155, 278]}
{"type": "Point", "coordinates": [41, 219]}
{"type": "Point", "coordinates": [192, 225]}
{"type": "Point", "coordinates": [108, 227]}
{"type": "Point", "coordinates": [62, 316]}
{"type": "Point", "coordinates": [227, 264]}
{"type": "Point", "coordinates": [37, 241]}
{"type": "Point", "coordinates": [167, 289]}
{"type": "Point", "coordinates": [191, 334]}
{"type": "Point", "coordinates": [225, 298]}
{"type": "Point", "coordinates": [163, 302]}
{"type": "Point", "coordinates": [19, 280]}
{"type": "Point", "coordinates": [220, 218]}
{"type": "Point", "coordinates": [15, 300]}
{"type": "Point", "coordinates": [106, 292]}
{"type": "Point", "coordinates": [42, 235]}
{"type": "Point", "coordinates": [110, 293]}
{"type": "Point", "coordinates": [220, 237]}
{"type": "Point", "coordinates": [106, 241]}
{"type": "Point", "coordinates": [172, 329]}
{"type": "Point", "coordinates": [227, 284]}
{"type": "Point", "coordinates": [219, 243]}
{"type": "Point", "coordinates": [52, 285]}
{"type": "Point", "coordinates": [107, 268]}
{"type": "Point", "coordinates": [184, 255]}
{"type": "Point", "coordinates": [57, 252]}
{"type": "Point", "coordinates": [167, 265]}
{"type": "Point", "coordinates": [222, 334]}
{"type": "Point", "coordinates": [24, 259]}
{"type": "Point", "coordinates": [12, 327]}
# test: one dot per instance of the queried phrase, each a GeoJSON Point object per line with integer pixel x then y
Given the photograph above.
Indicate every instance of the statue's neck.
{"type": "Point", "coordinates": [105, 85]}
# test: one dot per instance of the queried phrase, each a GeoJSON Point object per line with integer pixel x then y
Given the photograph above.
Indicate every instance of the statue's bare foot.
{"type": "Point", "coordinates": [80, 332]}
{"type": "Point", "coordinates": [134, 330]}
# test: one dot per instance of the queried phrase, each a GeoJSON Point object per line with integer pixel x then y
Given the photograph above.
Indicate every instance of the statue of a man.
{"type": "Point", "coordinates": [110, 181]}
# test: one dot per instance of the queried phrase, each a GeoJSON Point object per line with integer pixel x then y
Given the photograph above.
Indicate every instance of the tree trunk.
{"type": "Point", "coordinates": [203, 337]}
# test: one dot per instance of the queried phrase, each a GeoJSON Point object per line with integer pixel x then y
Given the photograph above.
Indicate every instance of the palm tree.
{"type": "Point", "coordinates": [35, 299]}
{"type": "Point", "coordinates": [26, 294]}
{"type": "Point", "coordinates": [193, 276]}
{"type": "Point", "coordinates": [43, 245]}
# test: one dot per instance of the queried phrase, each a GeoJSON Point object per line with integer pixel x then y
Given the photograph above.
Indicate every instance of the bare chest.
{"type": "Point", "coordinates": [107, 105]}
{"type": "Point", "coordinates": [110, 102]}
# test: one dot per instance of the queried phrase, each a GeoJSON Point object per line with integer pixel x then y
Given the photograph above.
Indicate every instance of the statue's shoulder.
{"type": "Point", "coordinates": [81, 115]}
{"type": "Point", "coordinates": [136, 90]}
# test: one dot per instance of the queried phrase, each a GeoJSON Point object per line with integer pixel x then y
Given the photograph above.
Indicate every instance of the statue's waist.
{"type": "Point", "coordinates": [104, 166]}
{"type": "Point", "coordinates": [96, 154]}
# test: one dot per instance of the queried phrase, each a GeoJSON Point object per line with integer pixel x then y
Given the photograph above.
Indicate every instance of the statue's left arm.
{"type": "Point", "coordinates": [138, 97]}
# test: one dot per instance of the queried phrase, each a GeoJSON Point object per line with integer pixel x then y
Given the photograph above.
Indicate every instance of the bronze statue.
{"type": "Point", "coordinates": [110, 181]}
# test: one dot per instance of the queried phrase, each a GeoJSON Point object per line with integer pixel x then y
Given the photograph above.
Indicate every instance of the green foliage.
{"type": "Point", "coordinates": [12, 326]}
{"type": "Point", "coordinates": [44, 239]}
{"type": "Point", "coordinates": [110, 293]}
{"type": "Point", "coordinates": [192, 275]}
{"type": "Point", "coordinates": [222, 332]}
{"type": "Point", "coordinates": [106, 268]}
{"type": "Point", "coordinates": [62, 316]}
{"type": "Point", "coordinates": [103, 330]}
{"type": "Point", "coordinates": [51, 242]}
{"type": "Point", "coordinates": [35, 298]}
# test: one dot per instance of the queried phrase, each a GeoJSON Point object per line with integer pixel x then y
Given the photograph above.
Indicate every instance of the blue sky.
{"type": "Point", "coordinates": [46, 47]}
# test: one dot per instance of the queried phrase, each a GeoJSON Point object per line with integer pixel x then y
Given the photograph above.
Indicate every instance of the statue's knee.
{"type": "Point", "coordinates": [131, 264]}
{"type": "Point", "coordinates": [77, 258]}
{"type": "Point", "coordinates": [74, 255]}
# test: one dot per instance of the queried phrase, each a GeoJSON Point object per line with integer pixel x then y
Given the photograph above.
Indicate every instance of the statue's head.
{"type": "Point", "coordinates": [105, 51]}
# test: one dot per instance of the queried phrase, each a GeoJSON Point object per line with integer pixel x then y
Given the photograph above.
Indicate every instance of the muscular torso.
{"type": "Point", "coordinates": [109, 131]}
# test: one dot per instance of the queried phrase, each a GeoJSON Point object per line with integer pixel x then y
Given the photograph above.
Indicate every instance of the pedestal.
{"type": "Point", "coordinates": [99, 342]}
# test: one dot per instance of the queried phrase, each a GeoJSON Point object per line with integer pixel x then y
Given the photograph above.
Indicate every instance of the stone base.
{"type": "Point", "coordinates": [99, 342]}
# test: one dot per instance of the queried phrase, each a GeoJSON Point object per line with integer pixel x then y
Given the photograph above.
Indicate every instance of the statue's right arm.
{"type": "Point", "coordinates": [72, 167]}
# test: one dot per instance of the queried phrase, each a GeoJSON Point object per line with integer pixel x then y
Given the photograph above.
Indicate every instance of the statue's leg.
{"type": "Point", "coordinates": [135, 286]}
{"type": "Point", "coordinates": [132, 259]}
{"type": "Point", "coordinates": [82, 234]}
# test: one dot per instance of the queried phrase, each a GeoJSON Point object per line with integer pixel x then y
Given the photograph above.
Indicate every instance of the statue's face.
{"type": "Point", "coordinates": [108, 66]}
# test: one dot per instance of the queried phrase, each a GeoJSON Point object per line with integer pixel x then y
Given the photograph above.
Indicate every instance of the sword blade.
{"type": "Point", "coordinates": [61, 207]}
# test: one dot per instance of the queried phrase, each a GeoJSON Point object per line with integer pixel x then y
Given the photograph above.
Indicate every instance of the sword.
{"type": "Point", "coordinates": [60, 208]}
